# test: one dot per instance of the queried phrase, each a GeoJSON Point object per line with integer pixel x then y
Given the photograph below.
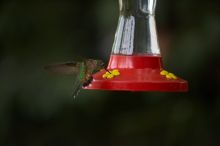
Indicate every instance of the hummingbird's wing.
{"type": "Point", "coordinates": [68, 68]}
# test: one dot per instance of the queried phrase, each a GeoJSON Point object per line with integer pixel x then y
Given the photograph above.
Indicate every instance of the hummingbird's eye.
{"type": "Point", "coordinates": [102, 64]}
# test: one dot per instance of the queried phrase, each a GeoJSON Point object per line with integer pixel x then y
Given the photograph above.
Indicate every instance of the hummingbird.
{"type": "Point", "coordinates": [82, 69]}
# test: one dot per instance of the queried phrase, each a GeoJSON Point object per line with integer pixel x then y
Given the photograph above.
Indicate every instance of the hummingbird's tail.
{"type": "Point", "coordinates": [76, 92]}
{"type": "Point", "coordinates": [76, 88]}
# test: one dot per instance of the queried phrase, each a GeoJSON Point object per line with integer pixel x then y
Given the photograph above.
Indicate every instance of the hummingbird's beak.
{"type": "Point", "coordinates": [104, 66]}
{"type": "Point", "coordinates": [108, 70]}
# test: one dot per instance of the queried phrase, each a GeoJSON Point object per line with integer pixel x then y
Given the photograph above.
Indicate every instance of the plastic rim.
{"type": "Point", "coordinates": [137, 73]}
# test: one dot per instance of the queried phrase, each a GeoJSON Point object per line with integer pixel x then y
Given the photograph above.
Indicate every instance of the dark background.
{"type": "Point", "coordinates": [37, 109]}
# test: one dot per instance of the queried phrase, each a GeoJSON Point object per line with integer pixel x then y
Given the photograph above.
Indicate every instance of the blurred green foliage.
{"type": "Point", "coordinates": [36, 108]}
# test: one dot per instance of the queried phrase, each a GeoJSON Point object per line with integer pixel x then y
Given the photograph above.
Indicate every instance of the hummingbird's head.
{"type": "Point", "coordinates": [100, 64]}
{"type": "Point", "coordinates": [95, 65]}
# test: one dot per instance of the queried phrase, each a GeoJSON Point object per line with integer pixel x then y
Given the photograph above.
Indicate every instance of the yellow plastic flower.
{"type": "Point", "coordinates": [164, 73]}
{"type": "Point", "coordinates": [105, 75]}
{"type": "Point", "coordinates": [111, 74]}
{"type": "Point", "coordinates": [172, 76]}
{"type": "Point", "coordinates": [168, 75]}
{"type": "Point", "coordinates": [115, 72]}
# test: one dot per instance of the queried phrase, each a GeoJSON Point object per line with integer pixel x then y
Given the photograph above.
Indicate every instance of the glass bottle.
{"type": "Point", "coordinates": [136, 33]}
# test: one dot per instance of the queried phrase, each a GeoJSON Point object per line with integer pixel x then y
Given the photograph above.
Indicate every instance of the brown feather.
{"type": "Point", "coordinates": [66, 68]}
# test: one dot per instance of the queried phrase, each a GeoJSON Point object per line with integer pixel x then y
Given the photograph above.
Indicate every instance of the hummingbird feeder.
{"type": "Point", "coordinates": [136, 63]}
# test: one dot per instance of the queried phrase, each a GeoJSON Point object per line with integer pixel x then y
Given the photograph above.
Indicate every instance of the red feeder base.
{"type": "Point", "coordinates": [137, 73]}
